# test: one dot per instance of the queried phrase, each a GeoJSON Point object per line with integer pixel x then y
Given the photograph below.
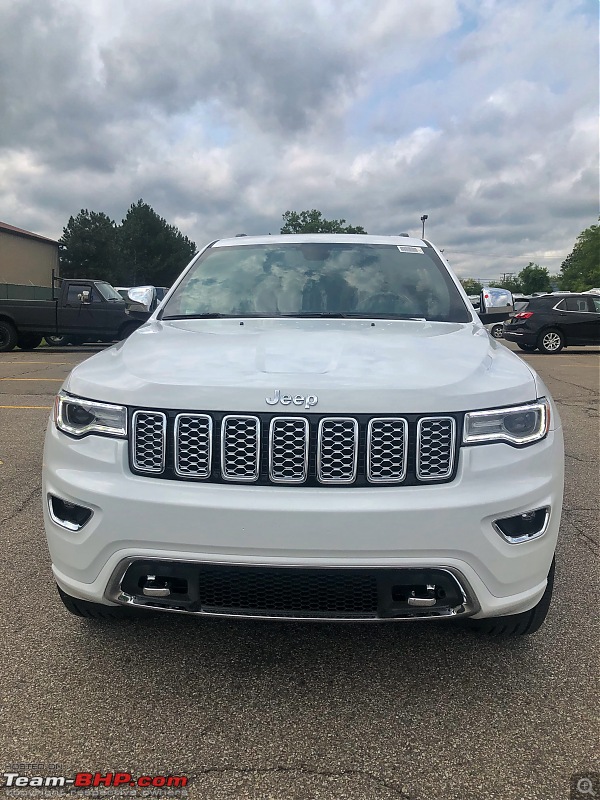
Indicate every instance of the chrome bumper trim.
{"type": "Point", "coordinates": [115, 593]}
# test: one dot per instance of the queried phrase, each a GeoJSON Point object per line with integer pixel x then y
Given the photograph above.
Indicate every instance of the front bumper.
{"type": "Point", "coordinates": [447, 526]}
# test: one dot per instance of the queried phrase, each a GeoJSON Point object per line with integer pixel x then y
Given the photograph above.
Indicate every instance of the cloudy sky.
{"type": "Point", "coordinates": [223, 114]}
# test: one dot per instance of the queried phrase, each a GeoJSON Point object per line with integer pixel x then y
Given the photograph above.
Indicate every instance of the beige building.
{"type": "Point", "coordinates": [26, 258]}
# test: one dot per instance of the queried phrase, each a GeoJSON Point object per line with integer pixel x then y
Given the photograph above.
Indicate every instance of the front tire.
{"type": "Point", "coordinates": [88, 610]}
{"type": "Point", "coordinates": [127, 330]}
{"type": "Point", "coordinates": [29, 341]}
{"type": "Point", "coordinates": [8, 336]}
{"type": "Point", "coordinates": [551, 341]}
{"type": "Point", "coordinates": [498, 331]}
{"type": "Point", "coordinates": [58, 341]}
{"type": "Point", "coordinates": [518, 624]}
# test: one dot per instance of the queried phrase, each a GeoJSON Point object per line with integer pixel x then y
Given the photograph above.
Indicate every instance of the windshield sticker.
{"type": "Point", "coordinates": [407, 248]}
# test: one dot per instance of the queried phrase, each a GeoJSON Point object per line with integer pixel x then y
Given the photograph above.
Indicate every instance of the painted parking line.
{"type": "Point", "coordinates": [579, 366]}
{"type": "Point", "coordinates": [45, 407]}
{"type": "Point", "coordinates": [55, 363]}
{"type": "Point", "coordinates": [55, 380]}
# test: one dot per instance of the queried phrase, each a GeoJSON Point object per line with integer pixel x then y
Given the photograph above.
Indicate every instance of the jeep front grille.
{"type": "Point", "coordinates": [240, 448]}
{"type": "Point", "coordinates": [337, 450]}
{"type": "Point", "coordinates": [435, 446]}
{"type": "Point", "coordinates": [308, 450]}
{"type": "Point", "coordinates": [387, 450]}
{"type": "Point", "coordinates": [149, 435]}
{"type": "Point", "coordinates": [288, 450]}
{"type": "Point", "coordinates": [193, 445]}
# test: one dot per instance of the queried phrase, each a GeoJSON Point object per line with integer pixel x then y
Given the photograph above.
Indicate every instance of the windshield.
{"type": "Point", "coordinates": [107, 291]}
{"type": "Point", "coordinates": [314, 279]}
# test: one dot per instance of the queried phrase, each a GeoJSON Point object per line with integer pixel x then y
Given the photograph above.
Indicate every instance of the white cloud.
{"type": "Point", "coordinates": [223, 116]}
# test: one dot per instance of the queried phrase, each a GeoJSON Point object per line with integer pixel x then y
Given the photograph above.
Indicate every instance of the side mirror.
{"type": "Point", "coordinates": [495, 303]}
{"type": "Point", "coordinates": [84, 297]}
{"type": "Point", "coordinates": [144, 296]}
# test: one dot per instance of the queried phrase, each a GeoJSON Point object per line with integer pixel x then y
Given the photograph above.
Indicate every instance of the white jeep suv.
{"type": "Point", "coordinates": [309, 427]}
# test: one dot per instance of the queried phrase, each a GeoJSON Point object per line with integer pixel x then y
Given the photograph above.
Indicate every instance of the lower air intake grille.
{"type": "Point", "coordinates": [288, 593]}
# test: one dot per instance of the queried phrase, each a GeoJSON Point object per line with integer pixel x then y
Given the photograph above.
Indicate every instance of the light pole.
{"type": "Point", "coordinates": [423, 218]}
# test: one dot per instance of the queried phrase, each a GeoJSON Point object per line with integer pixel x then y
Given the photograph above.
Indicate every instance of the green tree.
{"type": "Point", "coordinates": [534, 278]}
{"type": "Point", "coordinates": [581, 268]}
{"type": "Point", "coordinates": [471, 286]}
{"type": "Point", "coordinates": [512, 284]}
{"type": "Point", "coordinates": [89, 247]}
{"type": "Point", "coordinates": [154, 252]}
{"type": "Point", "coordinates": [313, 222]}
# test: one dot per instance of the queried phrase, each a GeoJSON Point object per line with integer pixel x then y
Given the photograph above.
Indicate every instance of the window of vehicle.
{"type": "Point", "coordinates": [596, 302]}
{"type": "Point", "coordinates": [107, 292]}
{"type": "Point", "coordinates": [74, 293]}
{"type": "Point", "coordinates": [304, 279]}
{"type": "Point", "coordinates": [577, 304]}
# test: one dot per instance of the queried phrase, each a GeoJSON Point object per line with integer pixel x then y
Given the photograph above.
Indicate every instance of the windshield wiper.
{"type": "Point", "coordinates": [316, 314]}
{"type": "Point", "coordinates": [351, 315]}
{"type": "Point", "coordinates": [211, 315]}
{"type": "Point", "coordinates": [297, 315]}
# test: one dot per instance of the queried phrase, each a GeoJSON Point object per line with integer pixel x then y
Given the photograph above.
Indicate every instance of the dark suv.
{"type": "Point", "coordinates": [553, 321]}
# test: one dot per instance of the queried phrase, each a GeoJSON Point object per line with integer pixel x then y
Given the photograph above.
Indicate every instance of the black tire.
{"type": "Point", "coordinates": [497, 331]}
{"type": "Point", "coordinates": [550, 341]}
{"type": "Point", "coordinates": [87, 610]}
{"type": "Point", "coordinates": [58, 341]}
{"type": "Point", "coordinates": [517, 624]}
{"type": "Point", "coordinates": [528, 348]}
{"type": "Point", "coordinates": [127, 330]}
{"type": "Point", "coordinates": [8, 336]}
{"type": "Point", "coordinates": [29, 341]}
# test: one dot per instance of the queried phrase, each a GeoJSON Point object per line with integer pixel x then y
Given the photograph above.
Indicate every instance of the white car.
{"type": "Point", "coordinates": [310, 427]}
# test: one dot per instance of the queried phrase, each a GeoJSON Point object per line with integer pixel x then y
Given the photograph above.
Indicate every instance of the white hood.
{"type": "Point", "coordinates": [352, 366]}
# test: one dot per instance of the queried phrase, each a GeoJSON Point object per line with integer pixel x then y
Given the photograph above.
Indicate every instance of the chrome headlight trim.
{"type": "Point", "coordinates": [477, 421]}
{"type": "Point", "coordinates": [108, 419]}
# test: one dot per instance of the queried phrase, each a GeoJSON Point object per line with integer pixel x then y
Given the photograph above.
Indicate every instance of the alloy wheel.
{"type": "Point", "coordinates": [552, 341]}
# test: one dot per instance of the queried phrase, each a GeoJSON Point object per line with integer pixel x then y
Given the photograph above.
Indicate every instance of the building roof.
{"type": "Point", "coordinates": [4, 227]}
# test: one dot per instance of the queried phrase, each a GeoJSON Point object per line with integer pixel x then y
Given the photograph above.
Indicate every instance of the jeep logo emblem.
{"type": "Point", "coordinates": [297, 400]}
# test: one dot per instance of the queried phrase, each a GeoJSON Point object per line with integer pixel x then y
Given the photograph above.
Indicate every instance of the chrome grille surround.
{"type": "Point", "coordinates": [337, 450]}
{"type": "Point", "coordinates": [302, 449]}
{"type": "Point", "coordinates": [436, 443]}
{"type": "Point", "coordinates": [240, 448]}
{"type": "Point", "coordinates": [193, 445]}
{"type": "Point", "coordinates": [288, 449]}
{"type": "Point", "coordinates": [149, 430]}
{"type": "Point", "coordinates": [387, 450]}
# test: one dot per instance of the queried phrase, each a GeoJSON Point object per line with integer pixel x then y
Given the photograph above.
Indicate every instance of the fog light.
{"type": "Point", "coordinates": [523, 527]}
{"type": "Point", "coordinates": [68, 515]}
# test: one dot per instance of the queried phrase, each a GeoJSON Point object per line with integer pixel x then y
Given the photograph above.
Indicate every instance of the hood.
{"type": "Point", "coordinates": [351, 366]}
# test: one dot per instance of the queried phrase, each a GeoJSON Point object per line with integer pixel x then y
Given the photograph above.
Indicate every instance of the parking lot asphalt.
{"type": "Point", "coordinates": [288, 710]}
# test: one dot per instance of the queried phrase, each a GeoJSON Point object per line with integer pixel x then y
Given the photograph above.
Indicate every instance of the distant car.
{"type": "Point", "coordinates": [520, 301]}
{"type": "Point", "coordinates": [495, 329]}
{"type": "Point", "coordinates": [553, 321]}
{"type": "Point", "coordinates": [160, 292]}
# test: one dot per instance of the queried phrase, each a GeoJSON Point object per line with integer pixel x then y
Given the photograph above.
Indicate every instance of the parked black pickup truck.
{"type": "Point", "coordinates": [84, 310]}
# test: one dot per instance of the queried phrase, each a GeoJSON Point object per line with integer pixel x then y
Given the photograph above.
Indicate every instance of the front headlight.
{"type": "Point", "coordinates": [517, 425]}
{"type": "Point", "coordinates": [79, 417]}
